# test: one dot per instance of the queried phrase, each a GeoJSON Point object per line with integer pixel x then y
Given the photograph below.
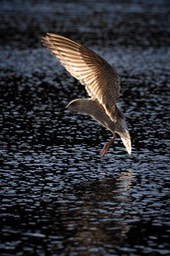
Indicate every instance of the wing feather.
{"type": "Point", "coordinates": [99, 78]}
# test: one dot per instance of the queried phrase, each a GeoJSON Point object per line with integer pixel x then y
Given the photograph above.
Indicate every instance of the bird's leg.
{"type": "Point", "coordinates": [107, 145]}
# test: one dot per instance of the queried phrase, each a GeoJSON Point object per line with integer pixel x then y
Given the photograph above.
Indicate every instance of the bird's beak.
{"type": "Point", "coordinates": [125, 137]}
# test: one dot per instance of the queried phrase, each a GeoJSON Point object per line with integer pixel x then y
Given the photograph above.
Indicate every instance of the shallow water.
{"type": "Point", "coordinates": [58, 196]}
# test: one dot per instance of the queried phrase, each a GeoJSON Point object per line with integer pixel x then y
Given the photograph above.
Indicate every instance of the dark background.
{"type": "Point", "coordinates": [58, 196]}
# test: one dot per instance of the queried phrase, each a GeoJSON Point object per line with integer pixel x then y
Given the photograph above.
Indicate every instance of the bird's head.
{"type": "Point", "coordinates": [74, 105]}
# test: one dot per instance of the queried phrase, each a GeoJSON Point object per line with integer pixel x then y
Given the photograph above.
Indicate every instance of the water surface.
{"type": "Point", "coordinates": [58, 196]}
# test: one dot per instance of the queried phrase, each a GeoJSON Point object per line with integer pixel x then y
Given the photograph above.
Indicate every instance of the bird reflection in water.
{"type": "Point", "coordinates": [102, 217]}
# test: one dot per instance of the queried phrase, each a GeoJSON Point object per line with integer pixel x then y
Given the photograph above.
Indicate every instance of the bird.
{"type": "Point", "coordinates": [101, 83]}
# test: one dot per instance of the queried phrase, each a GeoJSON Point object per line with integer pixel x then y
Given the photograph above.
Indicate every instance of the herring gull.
{"type": "Point", "coordinates": [101, 83]}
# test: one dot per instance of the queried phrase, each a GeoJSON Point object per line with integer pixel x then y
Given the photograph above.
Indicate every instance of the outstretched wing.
{"type": "Point", "coordinates": [99, 78]}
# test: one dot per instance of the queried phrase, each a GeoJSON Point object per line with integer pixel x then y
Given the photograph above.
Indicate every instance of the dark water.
{"type": "Point", "coordinates": [58, 196]}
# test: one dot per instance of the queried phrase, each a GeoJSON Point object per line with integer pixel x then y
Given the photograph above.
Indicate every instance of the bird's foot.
{"type": "Point", "coordinates": [107, 145]}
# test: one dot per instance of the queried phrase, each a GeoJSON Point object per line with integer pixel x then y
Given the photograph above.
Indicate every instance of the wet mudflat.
{"type": "Point", "coordinates": [58, 196]}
